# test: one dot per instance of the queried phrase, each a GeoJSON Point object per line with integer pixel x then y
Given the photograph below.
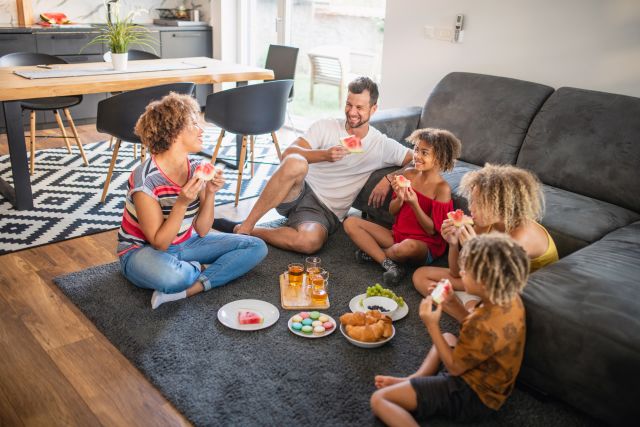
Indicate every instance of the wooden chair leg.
{"type": "Point", "coordinates": [56, 114]}
{"type": "Point", "coordinates": [243, 155]}
{"type": "Point", "coordinates": [252, 155]}
{"type": "Point", "coordinates": [32, 142]}
{"type": "Point", "coordinates": [114, 157]}
{"type": "Point", "coordinates": [143, 153]}
{"type": "Point", "coordinates": [111, 140]}
{"type": "Point", "coordinates": [218, 145]}
{"type": "Point", "coordinates": [275, 142]}
{"type": "Point", "coordinates": [67, 114]}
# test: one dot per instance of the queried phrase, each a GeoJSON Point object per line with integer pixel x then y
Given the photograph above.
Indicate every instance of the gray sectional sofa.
{"type": "Point", "coordinates": [583, 312]}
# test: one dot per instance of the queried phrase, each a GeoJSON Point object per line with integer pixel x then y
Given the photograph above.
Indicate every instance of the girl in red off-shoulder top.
{"type": "Point", "coordinates": [419, 205]}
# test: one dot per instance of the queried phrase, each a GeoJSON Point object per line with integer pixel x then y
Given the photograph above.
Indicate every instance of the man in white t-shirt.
{"type": "Point", "coordinates": [318, 178]}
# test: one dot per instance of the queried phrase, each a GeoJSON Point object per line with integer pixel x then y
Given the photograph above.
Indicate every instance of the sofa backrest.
{"type": "Point", "coordinates": [489, 114]}
{"type": "Point", "coordinates": [587, 142]}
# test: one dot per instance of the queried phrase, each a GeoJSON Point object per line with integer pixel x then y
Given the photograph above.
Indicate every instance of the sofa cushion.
{"type": "Point", "coordinates": [574, 221]}
{"type": "Point", "coordinates": [489, 114]}
{"type": "Point", "coordinates": [397, 123]}
{"type": "Point", "coordinates": [589, 143]}
{"type": "Point", "coordinates": [583, 328]}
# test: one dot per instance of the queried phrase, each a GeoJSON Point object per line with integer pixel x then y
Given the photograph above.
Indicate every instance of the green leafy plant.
{"type": "Point", "coordinates": [120, 33]}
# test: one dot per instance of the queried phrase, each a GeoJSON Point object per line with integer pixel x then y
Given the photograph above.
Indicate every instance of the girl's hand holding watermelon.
{"type": "Point", "coordinates": [466, 233]}
{"type": "Point", "coordinates": [450, 232]}
{"type": "Point", "coordinates": [400, 191]}
{"type": "Point", "coordinates": [410, 197]}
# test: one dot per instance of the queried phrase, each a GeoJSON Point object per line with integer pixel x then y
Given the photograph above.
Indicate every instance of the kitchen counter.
{"type": "Point", "coordinates": [16, 29]}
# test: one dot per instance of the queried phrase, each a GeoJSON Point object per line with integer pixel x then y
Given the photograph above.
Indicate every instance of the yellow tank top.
{"type": "Point", "coordinates": [548, 257]}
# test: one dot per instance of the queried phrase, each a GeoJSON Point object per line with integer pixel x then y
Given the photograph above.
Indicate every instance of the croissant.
{"type": "Point", "coordinates": [368, 327]}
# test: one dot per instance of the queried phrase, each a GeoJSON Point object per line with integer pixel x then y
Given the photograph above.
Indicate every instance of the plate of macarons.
{"type": "Point", "coordinates": [311, 324]}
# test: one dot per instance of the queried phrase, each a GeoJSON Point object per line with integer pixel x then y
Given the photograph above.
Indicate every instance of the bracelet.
{"type": "Point", "coordinates": [386, 176]}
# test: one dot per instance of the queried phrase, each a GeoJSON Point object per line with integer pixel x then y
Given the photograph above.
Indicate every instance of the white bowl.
{"type": "Point", "coordinates": [386, 303]}
{"type": "Point", "coordinates": [364, 344]}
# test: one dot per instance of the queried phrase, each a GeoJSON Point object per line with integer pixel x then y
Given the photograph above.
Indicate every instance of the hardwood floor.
{"type": "Point", "coordinates": [56, 368]}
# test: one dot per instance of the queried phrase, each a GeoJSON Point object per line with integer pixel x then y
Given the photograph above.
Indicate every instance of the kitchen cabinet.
{"type": "Point", "coordinates": [185, 44]}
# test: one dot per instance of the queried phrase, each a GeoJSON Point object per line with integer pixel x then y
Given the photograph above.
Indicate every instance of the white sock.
{"type": "Point", "coordinates": [158, 298]}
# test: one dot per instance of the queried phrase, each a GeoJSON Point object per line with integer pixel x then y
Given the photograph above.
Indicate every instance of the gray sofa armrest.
{"type": "Point", "coordinates": [397, 123]}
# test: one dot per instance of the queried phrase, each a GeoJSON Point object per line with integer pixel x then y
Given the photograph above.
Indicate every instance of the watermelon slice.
{"type": "Point", "coordinates": [402, 181]}
{"type": "Point", "coordinates": [442, 291]}
{"type": "Point", "coordinates": [205, 171]}
{"type": "Point", "coordinates": [459, 218]}
{"type": "Point", "coordinates": [54, 18]}
{"type": "Point", "coordinates": [249, 317]}
{"type": "Point", "coordinates": [352, 143]}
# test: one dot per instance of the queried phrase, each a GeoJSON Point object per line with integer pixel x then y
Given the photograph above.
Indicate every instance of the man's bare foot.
{"type": "Point", "coordinates": [241, 229]}
{"type": "Point", "coordinates": [382, 381]}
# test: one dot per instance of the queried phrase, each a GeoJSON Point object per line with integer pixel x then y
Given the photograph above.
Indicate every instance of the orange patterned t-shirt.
{"type": "Point", "coordinates": [490, 349]}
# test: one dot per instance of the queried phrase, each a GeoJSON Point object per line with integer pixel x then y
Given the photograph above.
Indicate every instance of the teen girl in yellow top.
{"type": "Point", "coordinates": [501, 198]}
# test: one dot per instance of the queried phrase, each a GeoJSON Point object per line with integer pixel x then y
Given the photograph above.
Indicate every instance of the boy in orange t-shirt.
{"type": "Point", "coordinates": [482, 365]}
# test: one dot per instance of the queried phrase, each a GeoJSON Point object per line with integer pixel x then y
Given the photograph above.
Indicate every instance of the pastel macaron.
{"type": "Point", "coordinates": [303, 314]}
{"type": "Point", "coordinates": [327, 325]}
{"type": "Point", "coordinates": [316, 323]}
{"type": "Point", "coordinates": [296, 326]}
{"type": "Point", "coordinates": [314, 315]}
{"type": "Point", "coordinates": [307, 322]}
{"type": "Point", "coordinates": [323, 318]}
{"type": "Point", "coordinates": [296, 318]}
{"type": "Point", "coordinates": [318, 330]}
{"type": "Point", "coordinates": [307, 329]}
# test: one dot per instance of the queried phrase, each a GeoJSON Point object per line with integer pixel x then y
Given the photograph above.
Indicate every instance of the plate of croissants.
{"type": "Point", "coordinates": [368, 329]}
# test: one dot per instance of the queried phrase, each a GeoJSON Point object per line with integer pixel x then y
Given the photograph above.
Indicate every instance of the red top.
{"type": "Point", "coordinates": [408, 227]}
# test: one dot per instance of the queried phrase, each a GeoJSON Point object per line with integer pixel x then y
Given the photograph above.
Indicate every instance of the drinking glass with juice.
{"type": "Point", "coordinates": [319, 287]}
{"type": "Point", "coordinates": [295, 273]}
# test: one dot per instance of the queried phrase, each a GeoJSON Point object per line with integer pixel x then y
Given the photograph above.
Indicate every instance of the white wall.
{"type": "Point", "coordinates": [590, 44]}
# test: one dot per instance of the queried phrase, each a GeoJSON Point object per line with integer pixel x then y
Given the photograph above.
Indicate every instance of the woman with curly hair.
{"type": "Point", "coordinates": [420, 203]}
{"type": "Point", "coordinates": [501, 198]}
{"type": "Point", "coordinates": [165, 238]}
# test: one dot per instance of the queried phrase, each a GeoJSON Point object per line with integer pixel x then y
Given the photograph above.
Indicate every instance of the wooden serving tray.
{"type": "Point", "coordinates": [293, 298]}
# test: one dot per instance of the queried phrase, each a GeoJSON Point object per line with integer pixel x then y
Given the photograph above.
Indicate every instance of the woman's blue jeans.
{"type": "Point", "coordinates": [176, 269]}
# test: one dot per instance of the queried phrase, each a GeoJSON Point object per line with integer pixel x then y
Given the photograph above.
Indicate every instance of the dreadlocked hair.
{"type": "Point", "coordinates": [446, 147]}
{"type": "Point", "coordinates": [499, 263]}
{"type": "Point", "coordinates": [512, 194]}
{"type": "Point", "coordinates": [163, 120]}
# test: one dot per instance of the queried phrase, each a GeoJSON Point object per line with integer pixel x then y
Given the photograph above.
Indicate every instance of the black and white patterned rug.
{"type": "Point", "coordinates": [67, 194]}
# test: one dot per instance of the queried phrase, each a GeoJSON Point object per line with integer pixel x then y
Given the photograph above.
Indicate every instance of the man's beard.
{"type": "Point", "coordinates": [359, 124]}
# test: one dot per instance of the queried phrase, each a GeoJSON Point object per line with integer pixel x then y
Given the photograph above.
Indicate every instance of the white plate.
{"type": "Point", "coordinates": [312, 335]}
{"type": "Point", "coordinates": [228, 314]}
{"type": "Point", "coordinates": [354, 305]}
{"type": "Point", "coordinates": [364, 344]}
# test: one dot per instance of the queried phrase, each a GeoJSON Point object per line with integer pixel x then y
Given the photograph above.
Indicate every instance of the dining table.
{"type": "Point", "coordinates": [39, 81]}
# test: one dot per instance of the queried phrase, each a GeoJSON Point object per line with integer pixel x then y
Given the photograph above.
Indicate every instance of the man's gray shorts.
{"type": "Point", "coordinates": [307, 208]}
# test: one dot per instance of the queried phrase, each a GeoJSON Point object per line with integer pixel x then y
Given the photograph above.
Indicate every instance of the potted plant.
{"type": "Point", "coordinates": [119, 33]}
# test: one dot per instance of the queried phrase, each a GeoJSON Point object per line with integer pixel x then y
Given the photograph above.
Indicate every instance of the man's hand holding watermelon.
{"type": "Point", "coordinates": [336, 153]}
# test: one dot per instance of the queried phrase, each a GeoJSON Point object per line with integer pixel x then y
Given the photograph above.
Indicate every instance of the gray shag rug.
{"type": "Point", "coordinates": [218, 376]}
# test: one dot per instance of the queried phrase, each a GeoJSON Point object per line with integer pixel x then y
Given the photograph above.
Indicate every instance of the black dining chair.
{"type": "Point", "coordinates": [117, 116]}
{"type": "Point", "coordinates": [282, 60]}
{"type": "Point", "coordinates": [45, 104]}
{"type": "Point", "coordinates": [249, 111]}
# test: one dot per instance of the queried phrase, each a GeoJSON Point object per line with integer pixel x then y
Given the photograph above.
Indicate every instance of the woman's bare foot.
{"type": "Point", "coordinates": [383, 381]}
